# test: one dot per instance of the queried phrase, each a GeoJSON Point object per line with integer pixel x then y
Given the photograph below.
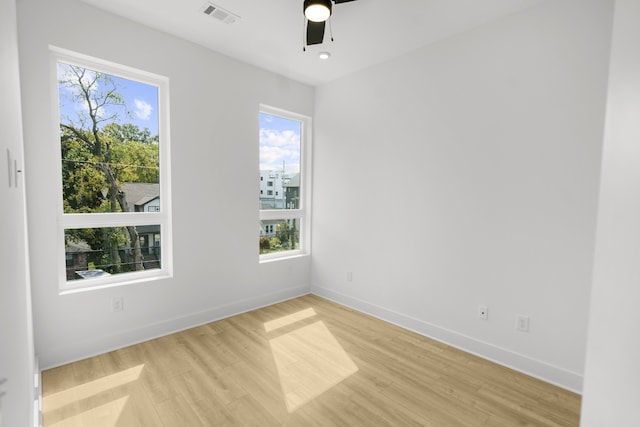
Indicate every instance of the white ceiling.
{"type": "Point", "coordinates": [270, 32]}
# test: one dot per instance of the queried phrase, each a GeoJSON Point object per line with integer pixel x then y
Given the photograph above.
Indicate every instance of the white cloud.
{"type": "Point", "coordinates": [65, 73]}
{"type": "Point", "coordinates": [143, 109]}
{"type": "Point", "coordinates": [84, 108]}
{"type": "Point", "coordinates": [72, 89]}
{"type": "Point", "coordinates": [277, 147]}
{"type": "Point", "coordinates": [285, 138]}
{"type": "Point", "coordinates": [73, 99]}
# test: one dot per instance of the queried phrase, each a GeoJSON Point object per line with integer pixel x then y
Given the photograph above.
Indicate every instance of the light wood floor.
{"type": "Point", "coordinates": [304, 362]}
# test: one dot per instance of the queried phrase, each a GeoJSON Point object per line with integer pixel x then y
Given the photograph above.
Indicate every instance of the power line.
{"type": "Point", "coordinates": [110, 164]}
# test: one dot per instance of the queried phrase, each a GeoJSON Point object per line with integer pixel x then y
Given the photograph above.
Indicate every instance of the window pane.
{"type": "Point", "coordinates": [279, 235]}
{"type": "Point", "coordinates": [279, 162]}
{"type": "Point", "coordinates": [109, 142]}
{"type": "Point", "coordinates": [99, 252]}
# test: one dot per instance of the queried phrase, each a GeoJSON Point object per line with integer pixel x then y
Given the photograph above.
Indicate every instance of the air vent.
{"type": "Point", "coordinates": [219, 13]}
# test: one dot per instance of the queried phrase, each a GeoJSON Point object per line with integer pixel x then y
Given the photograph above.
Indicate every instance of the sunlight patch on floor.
{"type": "Point", "coordinates": [74, 394]}
{"type": "Point", "coordinates": [310, 361]}
{"type": "Point", "coordinates": [105, 415]}
{"type": "Point", "coordinates": [92, 403]}
{"type": "Point", "coordinates": [288, 320]}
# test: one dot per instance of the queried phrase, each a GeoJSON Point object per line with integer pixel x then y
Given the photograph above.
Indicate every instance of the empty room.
{"type": "Point", "coordinates": [320, 213]}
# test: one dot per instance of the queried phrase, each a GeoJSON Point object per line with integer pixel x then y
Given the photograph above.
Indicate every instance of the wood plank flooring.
{"type": "Point", "coordinates": [303, 362]}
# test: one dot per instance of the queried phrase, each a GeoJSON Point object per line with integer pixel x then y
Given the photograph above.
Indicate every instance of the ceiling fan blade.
{"type": "Point", "coordinates": [315, 32]}
{"type": "Point", "coordinates": [342, 1]}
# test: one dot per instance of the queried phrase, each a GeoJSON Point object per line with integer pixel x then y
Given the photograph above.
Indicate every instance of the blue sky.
{"type": "Point", "coordinates": [279, 136]}
{"type": "Point", "coordinates": [279, 142]}
{"type": "Point", "coordinates": [141, 101]}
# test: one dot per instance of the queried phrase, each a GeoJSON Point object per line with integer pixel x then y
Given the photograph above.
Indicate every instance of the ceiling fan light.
{"type": "Point", "coordinates": [317, 10]}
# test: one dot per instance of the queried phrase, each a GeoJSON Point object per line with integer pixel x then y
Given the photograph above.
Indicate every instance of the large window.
{"type": "Point", "coordinates": [114, 215]}
{"type": "Point", "coordinates": [284, 173]}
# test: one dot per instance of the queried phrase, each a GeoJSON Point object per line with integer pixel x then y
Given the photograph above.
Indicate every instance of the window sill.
{"type": "Point", "coordinates": [77, 286]}
{"type": "Point", "coordinates": [267, 258]}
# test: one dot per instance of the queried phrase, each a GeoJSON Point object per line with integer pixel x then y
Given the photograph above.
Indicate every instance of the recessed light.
{"type": "Point", "coordinates": [324, 55]}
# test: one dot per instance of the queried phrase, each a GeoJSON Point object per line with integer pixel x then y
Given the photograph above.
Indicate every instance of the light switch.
{"type": "Point", "coordinates": [9, 166]}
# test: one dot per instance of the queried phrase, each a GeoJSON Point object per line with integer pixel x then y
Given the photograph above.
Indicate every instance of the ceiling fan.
{"type": "Point", "coordinates": [317, 12]}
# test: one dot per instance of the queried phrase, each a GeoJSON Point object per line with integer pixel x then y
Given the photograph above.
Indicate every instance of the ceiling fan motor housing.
{"type": "Point", "coordinates": [317, 10]}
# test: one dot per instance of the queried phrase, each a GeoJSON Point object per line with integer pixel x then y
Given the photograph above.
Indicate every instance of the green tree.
{"type": "Point", "coordinates": [129, 132]}
{"type": "Point", "coordinates": [99, 154]}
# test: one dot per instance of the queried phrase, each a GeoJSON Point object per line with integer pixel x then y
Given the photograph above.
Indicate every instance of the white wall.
{"type": "Point", "coordinates": [612, 374]}
{"type": "Point", "coordinates": [214, 131]}
{"type": "Point", "coordinates": [466, 173]}
{"type": "Point", "coordinates": [16, 329]}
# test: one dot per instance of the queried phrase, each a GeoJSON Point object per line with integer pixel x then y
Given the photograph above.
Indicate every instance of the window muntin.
{"type": "Point", "coordinates": [284, 168]}
{"type": "Point", "coordinates": [114, 174]}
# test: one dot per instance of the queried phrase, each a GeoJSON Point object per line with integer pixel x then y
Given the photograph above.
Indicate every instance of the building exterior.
{"type": "Point", "coordinates": [142, 196]}
{"type": "Point", "coordinates": [278, 190]}
{"type": "Point", "coordinates": [292, 192]}
{"type": "Point", "coordinates": [145, 197]}
{"type": "Point", "coordinates": [272, 184]}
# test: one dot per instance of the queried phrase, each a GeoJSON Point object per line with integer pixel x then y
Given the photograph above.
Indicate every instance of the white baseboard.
{"type": "Point", "coordinates": [552, 374]}
{"type": "Point", "coordinates": [37, 391]}
{"type": "Point", "coordinates": [63, 355]}
{"type": "Point", "coordinates": [527, 365]}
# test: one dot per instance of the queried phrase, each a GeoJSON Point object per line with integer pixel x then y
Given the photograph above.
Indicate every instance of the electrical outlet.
{"type": "Point", "coordinates": [483, 312]}
{"type": "Point", "coordinates": [522, 323]}
{"type": "Point", "coordinates": [117, 304]}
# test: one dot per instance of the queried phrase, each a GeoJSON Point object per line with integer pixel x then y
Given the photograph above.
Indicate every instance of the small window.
{"type": "Point", "coordinates": [114, 174]}
{"type": "Point", "coordinates": [284, 143]}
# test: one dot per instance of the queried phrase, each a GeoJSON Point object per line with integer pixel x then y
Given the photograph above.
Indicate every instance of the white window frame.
{"type": "Point", "coordinates": [303, 213]}
{"type": "Point", "coordinates": [115, 219]}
